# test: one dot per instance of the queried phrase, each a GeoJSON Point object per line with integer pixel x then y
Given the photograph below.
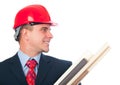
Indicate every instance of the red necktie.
{"type": "Point", "coordinates": [31, 75]}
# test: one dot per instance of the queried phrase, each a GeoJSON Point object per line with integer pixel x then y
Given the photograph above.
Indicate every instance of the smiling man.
{"type": "Point", "coordinates": [29, 66]}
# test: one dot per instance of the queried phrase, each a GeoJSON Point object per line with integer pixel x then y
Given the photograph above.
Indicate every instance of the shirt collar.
{"type": "Point", "coordinates": [24, 58]}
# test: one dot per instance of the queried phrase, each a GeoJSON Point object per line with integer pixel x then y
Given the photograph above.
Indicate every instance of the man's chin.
{"type": "Point", "coordinates": [46, 51]}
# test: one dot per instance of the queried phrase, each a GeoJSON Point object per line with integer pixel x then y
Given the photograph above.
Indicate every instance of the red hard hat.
{"type": "Point", "coordinates": [32, 13]}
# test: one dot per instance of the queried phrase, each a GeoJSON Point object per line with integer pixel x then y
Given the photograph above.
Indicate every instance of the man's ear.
{"type": "Point", "coordinates": [24, 33]}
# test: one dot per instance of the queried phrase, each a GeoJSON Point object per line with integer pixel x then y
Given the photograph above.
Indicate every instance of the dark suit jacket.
{"type": "Point", "coordinates": [50, 69]}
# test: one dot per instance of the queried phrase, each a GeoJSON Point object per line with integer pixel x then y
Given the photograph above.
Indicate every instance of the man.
{"type": "Point", "coordinates": [32, 31]}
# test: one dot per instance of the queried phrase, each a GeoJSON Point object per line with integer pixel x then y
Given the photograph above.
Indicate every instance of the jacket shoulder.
{"type": "Point", "coordinates": [58, 61]}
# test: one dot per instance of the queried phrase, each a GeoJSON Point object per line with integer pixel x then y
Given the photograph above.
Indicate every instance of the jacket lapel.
{"type": "Point", "coordinates": [16, 70]}
{"type": "Point", "coordinates": [44, 67]}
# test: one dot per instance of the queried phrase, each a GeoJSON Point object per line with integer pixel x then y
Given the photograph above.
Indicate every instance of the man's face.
{"type": "Point", "coordinates": [39, 38]}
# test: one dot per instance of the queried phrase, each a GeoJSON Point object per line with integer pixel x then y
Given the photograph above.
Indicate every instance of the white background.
{"type": "Point", "coordinates": [83, 25]}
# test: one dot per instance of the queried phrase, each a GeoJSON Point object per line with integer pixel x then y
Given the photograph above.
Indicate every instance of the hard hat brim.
{"type": "Point", "coordinates": [51, 23]}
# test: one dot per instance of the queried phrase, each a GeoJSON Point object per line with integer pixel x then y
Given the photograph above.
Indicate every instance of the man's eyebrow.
{"type": "Point", "coordinates": [46, 27]}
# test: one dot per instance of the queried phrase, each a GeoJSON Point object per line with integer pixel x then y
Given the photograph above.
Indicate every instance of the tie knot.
{"type": "Point", "coordinates": [31, 63]}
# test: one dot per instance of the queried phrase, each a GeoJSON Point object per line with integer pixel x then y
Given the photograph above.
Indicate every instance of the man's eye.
{"type": "Point", "coordinates": [44, 29]}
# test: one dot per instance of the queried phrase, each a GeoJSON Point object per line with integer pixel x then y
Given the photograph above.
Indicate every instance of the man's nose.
{"type": "Point", "coordinates": [49, 34]}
